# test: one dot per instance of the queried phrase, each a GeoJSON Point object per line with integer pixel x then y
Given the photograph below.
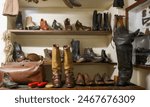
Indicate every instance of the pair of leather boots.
{"type": "Point", "coordinates": [88, 55]}
{"type": "Point", "coordinates": [57, 67]}
{"type": "Point", "coordinates": [123, 41]}
{"type": "Point", "coordinates": [72, 3]}
{"type": "Point", "coordinates": [101, 21]}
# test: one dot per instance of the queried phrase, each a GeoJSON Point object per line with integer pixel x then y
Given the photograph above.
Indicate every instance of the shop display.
{"type": "Point", "coordinates": [123, 41]}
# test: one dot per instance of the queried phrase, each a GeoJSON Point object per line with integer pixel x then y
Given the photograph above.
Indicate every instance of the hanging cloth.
{"type": "Point", "coordinates": [11, 8]}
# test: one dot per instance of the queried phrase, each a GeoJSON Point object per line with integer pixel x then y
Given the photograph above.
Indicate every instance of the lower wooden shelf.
{"type": "Point", "coordinates": [109, 87]}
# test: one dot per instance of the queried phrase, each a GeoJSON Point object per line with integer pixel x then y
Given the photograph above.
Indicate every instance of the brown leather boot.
{"type": "Point", "coordinates": [80, 79]}
{"type": "Point", "coordinates": [88, 80]}
{"type": "Point", "coordinates": [79, 26]}
{"type": "Point", "coordinates": [68, 67]}
{"type": "Point", "coordinates": [56, 67]}
{"type": "Point", "coordinates": [44, 25]}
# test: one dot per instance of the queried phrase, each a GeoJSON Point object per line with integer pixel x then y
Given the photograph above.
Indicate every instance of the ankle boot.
{"type": "Point", "coordinates": [44, 25]}
{"type": "Point", "coordinates": [75, 45]}
{"type": "Point", "coordinates": [79, 26]}
{"type": "Point", "coordinates": [98, 79]}
{"type": "Point", "coordinates": [99, 21]}
{"type": "Point", "coordinates": [88, 81]}
{"type": "Point", "coordinates": [67, 24]}
{"type": "Point", "coordinates": [68, 68]}
{"type": "Point", "coordinates": [56, 67]}
{"type": "Point", "coordinates": [75, 3]}
{"type": "Point", "coordinates": [7, 81]}
{"type": "Point", "coordinates": [19, 24]}
{"type": "Point", "coordinates": [95, 23]}
{"type": "Point", "coordinates": [30, 25]}
{"type": "Point", "coordinates": [18, 54]}
{"type": "Point", "coordinates": [56, 25]}
{"type": "Point", "coordinates": [105, 57]}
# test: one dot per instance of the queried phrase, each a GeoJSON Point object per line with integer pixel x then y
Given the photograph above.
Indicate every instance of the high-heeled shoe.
{"type": "Point", "coordinates": [79, 26]}
{"type": "Point", "coordinates": [67, 24]}
{"type": "Point", "coordinates": [44, 25]}
{"type": "Point", "coordinates": [88, 80]}
{"type": "Point", "coordinates": [56, 25]}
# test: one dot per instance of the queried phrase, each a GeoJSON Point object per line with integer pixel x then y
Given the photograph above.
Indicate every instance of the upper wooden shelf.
{"type": "Point", "coordinates": [142, 67]}
{"type": "Point", "coordinates": [97, 4]}
{"type": "Point", "coordinates": [54, 32]}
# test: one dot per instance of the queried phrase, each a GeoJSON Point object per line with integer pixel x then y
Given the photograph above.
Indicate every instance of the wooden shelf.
{"type": "Point", "coordinates": [54, 32]}
{"type": "Point", "coordinates": [110, 87]}
{"type": "Point", "coordinates": [85, 63]}
{"type": "Point", "coordinates": [142, 67]}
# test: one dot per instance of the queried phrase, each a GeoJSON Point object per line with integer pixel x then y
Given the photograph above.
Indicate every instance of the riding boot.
{"type": "Point", "coordinates": [123, 41]}
{"type": "Point", "coordinates": [68, 67]}
{"type": "Point", "coordinates": [99, 21]}
{"type": "Point", "coordinates": [56, 67]}
{"type": "Point", "coordinates": [19, 24]}
{"type": "Point", "coordinates": [95, 23]}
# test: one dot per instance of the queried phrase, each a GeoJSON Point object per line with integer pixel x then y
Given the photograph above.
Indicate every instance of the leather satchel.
{"type": "Point", "coordinates": [23, 72]}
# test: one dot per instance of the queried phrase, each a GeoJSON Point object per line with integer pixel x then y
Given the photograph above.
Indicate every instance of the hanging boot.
{"type": "Point", "coordinates": [19, 24]}
{"type": "Point", "coordinates": [99, 21]}
{"type": "Point", "coordinates": [56, 67]}
{"type": "Point", "coordinates": [95, 23]}
{"type": "Point", "coordinates": [30, 25]}
{"type": "Point", "coordinates": [68, 68]}
{"type": "Point", "coordinates": [123, 41]}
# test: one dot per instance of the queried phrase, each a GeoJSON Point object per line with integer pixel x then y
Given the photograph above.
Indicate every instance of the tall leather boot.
{"type": "Point", "coordinates": [95, 23]}
{"type": "Point", "coordinates": [56, 67]}
{"type": "Point", "coordinates": [99, 21]}
{"type": "Point", "coordinates": [19, 24]}
{"type": "Point", "coordinates": [106, 26]}
{"type": "Point", "coordinates": [123, 41]}
{"type": "Point", "coordinates": [68, 67]}
{"type": "Point", "coordinates": [75, 45]}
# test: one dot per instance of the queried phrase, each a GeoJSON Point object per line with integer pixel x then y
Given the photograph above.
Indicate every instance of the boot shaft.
{"type": "Point", "coordinates": [68, 63]}
{"type": "Point", "coordinates": [56, 59]}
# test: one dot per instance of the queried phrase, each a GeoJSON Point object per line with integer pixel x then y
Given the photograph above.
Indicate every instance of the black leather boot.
{"type": "Point", "coordinates": [99, 21]}
{"type": "Point", "coordinates": [106, 26]}
{"type": "Point", "coordinates": [18, 54]}
{"type": "Point", "coordinates": [19, 24]}
{"type": "Point", "coordinates": [104, 56]}
{"type": "Point", "coordinates": [123, 41]}
{"type": "Point", "coordinates": [95, 23]}
{"type": "Point", "coordinates": [75, 45]}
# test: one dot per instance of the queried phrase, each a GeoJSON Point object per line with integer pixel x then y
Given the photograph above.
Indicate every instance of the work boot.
{"type": "Point", "coordinates": [68, 67]}
{"type": "Point", "coordinates": [30, 25]}
{"type": "Point", "coordinates": [95, 23]}
{"type": "Point", "coordinates": [18, 54]}
{"type": "Point", "coordinates": [99, 21]}
{"type": "Point", "coordinates": [75, 45]}
{"type": "Point", "coordinates": [56, 67]}
{"type": "Point", "coordinates": [19, 24]}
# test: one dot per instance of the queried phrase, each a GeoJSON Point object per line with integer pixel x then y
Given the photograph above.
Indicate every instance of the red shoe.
{"type": "Point", "coordinates": [33, 84]}
{"type": "Point", "coordinates": [42, 84]}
